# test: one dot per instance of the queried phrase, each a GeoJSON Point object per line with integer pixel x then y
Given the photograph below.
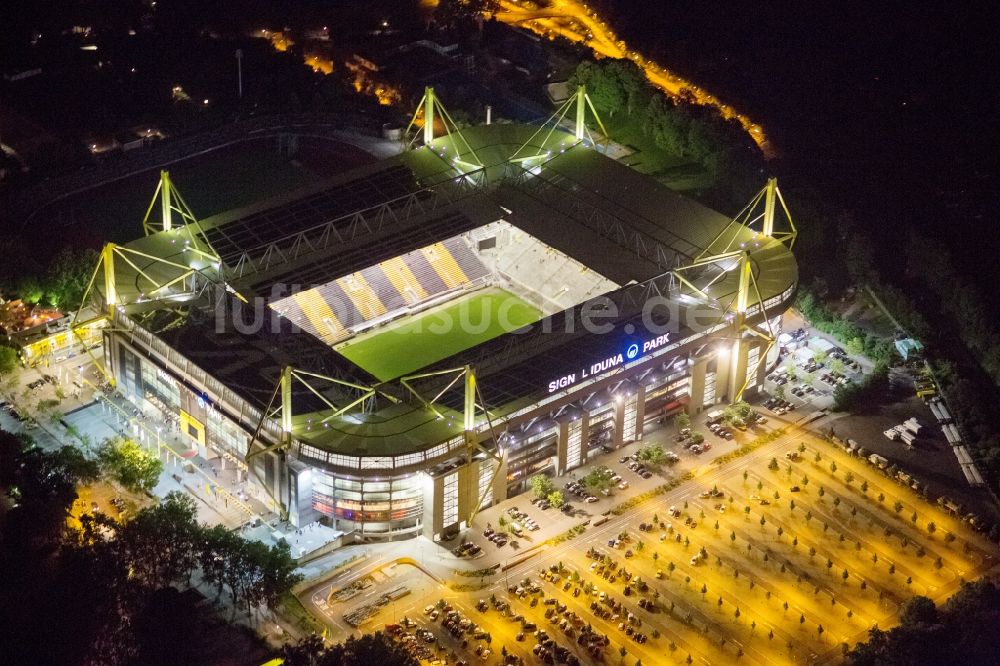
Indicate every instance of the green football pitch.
{"type": "Point", "coordinates": [416, 342]}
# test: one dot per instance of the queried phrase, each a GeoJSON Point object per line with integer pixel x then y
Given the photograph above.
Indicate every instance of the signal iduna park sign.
{"type": "Point", "coordinates": [633, 351]}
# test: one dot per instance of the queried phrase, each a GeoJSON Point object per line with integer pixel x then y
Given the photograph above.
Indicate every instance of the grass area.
{"type": "Point", "coordinates": [676, 172]}
{"type": "Point", "coordinates": [439, 333]}
{"type": "Point", "coordinates": [290, 608]}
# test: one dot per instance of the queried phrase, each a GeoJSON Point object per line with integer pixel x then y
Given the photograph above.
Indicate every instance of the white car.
{"type": "Point", "coordinates": [590, 500]}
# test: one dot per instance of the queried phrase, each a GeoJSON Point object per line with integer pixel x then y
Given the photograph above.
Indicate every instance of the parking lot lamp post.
{"type": "Point", "coordinates": [158, 446]}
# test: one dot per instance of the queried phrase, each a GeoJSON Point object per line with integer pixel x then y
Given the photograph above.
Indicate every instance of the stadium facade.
{"type": "Point", "coordinates": [272, 335]}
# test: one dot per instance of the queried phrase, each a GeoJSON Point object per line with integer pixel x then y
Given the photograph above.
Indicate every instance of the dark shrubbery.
{"type": "Point", "coordinates": [961, 631]}
{"type": "Point", "coordinates": [853, 396]}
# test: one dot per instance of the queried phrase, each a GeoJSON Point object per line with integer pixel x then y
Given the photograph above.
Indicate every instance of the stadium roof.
{"type": "Point", "coordinates": [622, 224]}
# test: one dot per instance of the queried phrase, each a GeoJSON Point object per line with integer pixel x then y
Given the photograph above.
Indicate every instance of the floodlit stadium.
{"type": "Point", "coordinates": [407, 342]}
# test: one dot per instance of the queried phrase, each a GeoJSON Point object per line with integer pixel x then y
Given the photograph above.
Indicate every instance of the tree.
{"type": "Point", "coordinates": [773, 465]}
{"type": "Point", "coordinates": [961, 631]}
{"type": "Point", "coordinates": [67, 276]}
{"type": "Point", "coordinates": [598, 478]}
{"type": "Point", "coordinates": [8, 360]}
{"type": "Point", "coordinates": [931, 528]}
{"type": "Point", "coordinates": [682, 421]}
{"type": "Point", "coordinates": [38, 491]}
{"type": "Point", "coordinates": [128, 464]}
{"type": "Point", "coordinates": [258, 574]}
{"type": "Point", "coordinates": [376, 648]}
{"type": "Point", "coordinates": [214, 545]}
{"type": "Point", "coordinates": [159, 546]}
{"type": "Point", "coordinates": [738, 414]}
{"type": "Point", "coordinates": [605, 88]}
{"type": "Point", "coordinates": [541, 485]}
{"type": "Point", "coordinates": [897, 506]}
{"type": "Point", "coordinates": [555, 498]}
{"type": "Point", "coordinates": [457, 14]}
{"type": "Point", "coordinates": [652, 454]}
{"type": "Point", "coordinates": [78, 464]}
{"type": "Point", "coordinates": [918, 610]}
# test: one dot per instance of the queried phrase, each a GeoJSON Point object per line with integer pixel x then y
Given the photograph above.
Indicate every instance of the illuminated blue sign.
{"type": "Point", "coordinates": [632, 352]}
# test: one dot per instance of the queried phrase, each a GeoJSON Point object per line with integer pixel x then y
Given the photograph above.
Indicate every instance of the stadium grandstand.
{"type": "Point", "coordinates": [407, 342]}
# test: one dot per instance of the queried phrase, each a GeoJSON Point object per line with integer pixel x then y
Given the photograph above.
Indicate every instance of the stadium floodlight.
{"type": "Point", "coordinates": [428, 108]}
{"type": "Point", "coordinates": [472, 399]}
{"type": "Point", "coordinates": [281, 405]}
{"type": "Point", "coordinates": [763, 210]}
{"type": "Point", "coordinates": [582, 102]}
{"type": "Point", "coordinates": [135, 278]}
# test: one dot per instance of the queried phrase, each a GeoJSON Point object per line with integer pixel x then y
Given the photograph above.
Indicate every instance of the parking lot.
{"type": "Point", "coordinates": [804, 383]}
{"type": "Point", "coordinates": [778, 557]}
{"type": "Point", "coordinates": [810, 369]}
{"type": "Point", "coordinates": [682, 456]}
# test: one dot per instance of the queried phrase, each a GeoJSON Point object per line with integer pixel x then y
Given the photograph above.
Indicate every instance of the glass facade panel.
{"type": "Point", "coordinates": [574, 431]}
{"type": "Point", "coordinates": [753, 355]}
{"type": "Point", "coordinates": [628, 422]}
{"type": "Point", "coordinates": [709, 398]}
{"type": "Point", "coordinates": [486, 468]}
{"type": "Point", "coordinates": [385, 505]}
{"type": "Point", "coordinates": [450, 513]}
